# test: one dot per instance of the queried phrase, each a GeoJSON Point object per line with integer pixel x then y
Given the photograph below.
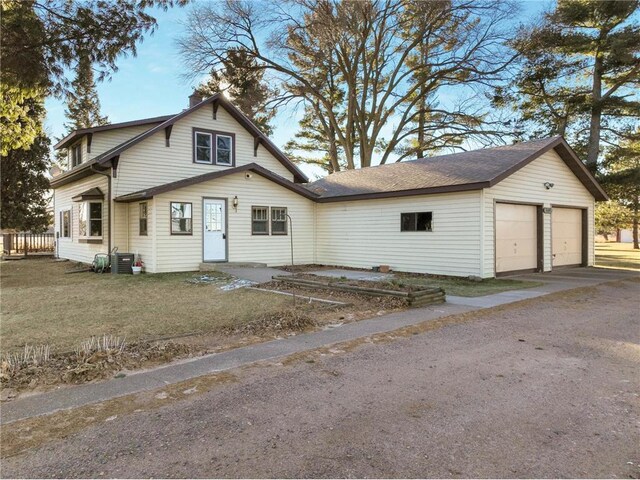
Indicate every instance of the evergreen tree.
{"type": "Point", "coordinates": [24, 184]}
{"type": "Point", "coordinates": [580, 74]}
{"type": "Point", "coordinates": [83, 104]}
{"type": "Point", "coordinates": [622, 178]}
{"type": "Point", "coordinates": [242, 80]}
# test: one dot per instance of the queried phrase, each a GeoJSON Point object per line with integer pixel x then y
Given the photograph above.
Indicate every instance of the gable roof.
{"type": "Point", "coordinates": [253, 167]}
{"type": "Point", "coordinates": [215, 101]}
{"type": "Point", "coordinates": [105, 159]}
{"type": "Point", "coordinates": [78, 134]}
{"type": "Point", "coordinates": [471, 170]}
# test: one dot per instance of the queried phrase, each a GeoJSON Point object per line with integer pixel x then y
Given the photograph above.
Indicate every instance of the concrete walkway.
{"type": "Point", "coordinates": [254, 274]}
{"type": "Point", "coordinates": [72, 397]}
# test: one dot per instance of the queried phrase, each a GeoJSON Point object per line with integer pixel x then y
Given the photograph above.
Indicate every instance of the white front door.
{"type": "Point", "coordinates": [214, 230]}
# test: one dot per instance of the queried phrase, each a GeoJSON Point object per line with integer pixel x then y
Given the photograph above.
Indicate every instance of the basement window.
{"type": "Point", "coordinates": [416, 222]}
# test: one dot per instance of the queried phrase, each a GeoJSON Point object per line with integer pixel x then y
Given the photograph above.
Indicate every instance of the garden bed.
{"type": "Point", "coordinates": [412, 296]}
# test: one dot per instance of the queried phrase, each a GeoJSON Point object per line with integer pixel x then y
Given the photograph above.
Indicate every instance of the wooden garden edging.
{"type": "Point", "coordinates": [417, 298]}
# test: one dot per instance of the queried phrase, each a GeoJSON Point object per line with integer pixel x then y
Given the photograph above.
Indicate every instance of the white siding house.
{"type": "Point", "coordinates": [206, 185]}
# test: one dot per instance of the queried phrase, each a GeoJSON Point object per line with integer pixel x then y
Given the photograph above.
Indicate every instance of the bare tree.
{"type": "Point", "coordinates": [367, 69]}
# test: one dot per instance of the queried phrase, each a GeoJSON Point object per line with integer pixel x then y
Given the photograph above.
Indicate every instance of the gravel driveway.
{"type": "Point", "coordinates": [545, 388]}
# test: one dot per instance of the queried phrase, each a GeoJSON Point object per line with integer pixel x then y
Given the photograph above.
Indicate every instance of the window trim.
{"type": "Point", "coordinates": [211, 147]}
{"type": "Point", "coordinates": [145, 232]}
{"type": "Point", "coordinates": [286, 221]}
{"type": "Point", "coordinates": [190, 232]}
{"type": "Point", "coordinates": [88, 219]}
{"type": "Point", "coordinates": [415, 222]}
{"type": "Point", "coordinates": [267, 220]}
{"type": "Point", "coordinates": [214, 146]}
{"type": "Point", "coordinates": [231, 149]}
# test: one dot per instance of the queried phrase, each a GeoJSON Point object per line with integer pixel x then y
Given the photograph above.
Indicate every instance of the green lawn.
{"type": "Point", "coordinates": [467, 288]}
{"type": "Point", "coordinates": [43, 305]}
{"type": "Point", "coordinates": [617, 255]}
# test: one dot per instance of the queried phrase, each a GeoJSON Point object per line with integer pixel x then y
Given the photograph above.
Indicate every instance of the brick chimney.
{"type": "Point", "coordinates": [194, 99]}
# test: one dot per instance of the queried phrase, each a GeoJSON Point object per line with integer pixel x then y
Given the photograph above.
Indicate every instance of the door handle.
{"type": "Point", "coordinates": [224, 236]}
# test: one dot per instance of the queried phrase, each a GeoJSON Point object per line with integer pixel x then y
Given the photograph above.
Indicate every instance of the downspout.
{"type": "Point", "coordinates": [108, 175]}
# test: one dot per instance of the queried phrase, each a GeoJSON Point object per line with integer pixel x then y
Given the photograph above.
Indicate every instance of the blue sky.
{"type": "Point", "coordinates": [152, 83]}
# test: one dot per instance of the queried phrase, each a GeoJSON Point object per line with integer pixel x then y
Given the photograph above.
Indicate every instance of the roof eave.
{"type": "Point", "coordinates": [405, 193]}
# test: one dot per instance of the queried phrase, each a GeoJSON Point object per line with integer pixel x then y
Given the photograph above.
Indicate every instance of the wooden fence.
{"type": "Point", "coordinates": [27, 243]}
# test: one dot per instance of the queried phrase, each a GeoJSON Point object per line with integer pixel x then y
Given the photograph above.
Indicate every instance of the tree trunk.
{"type": "Point", "coordinates": [596, 116]}
{"type": "Point", "coordinates": [636, 215]}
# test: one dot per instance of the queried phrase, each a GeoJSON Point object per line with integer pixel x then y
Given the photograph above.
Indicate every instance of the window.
{"type": "Point", "coordinates": [143, 218]}
{"type": "Point", "coordinates": [76, 155]}
{"type": "Point", "coordinates": [278, 221]}
{"type": "Point", "coordinates": [416, 222]}
{"type": "Point", "coordinates": [203, 148]}
{"type": "Point", "coordinates": [259, 220]}
{"type": "Point", "coordinates": [213, 148]}
{"type": "Point", "coordinates": [65, 224]}
{"type": "Point", "coordinates": [90, 219]}
{"type": "Point", "coordinates": [180, 218]}
{"type": "Point", "coordinates": [223, 150]}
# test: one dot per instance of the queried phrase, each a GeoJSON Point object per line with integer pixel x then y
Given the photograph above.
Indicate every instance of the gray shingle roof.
{"type": "Point", "coordinates": [459, 171]}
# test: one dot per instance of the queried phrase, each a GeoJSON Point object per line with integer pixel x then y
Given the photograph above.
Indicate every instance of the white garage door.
{"type": "Point", "coordinates": [516, 237]}
{"type": "Point", "coordinates": [566, 236]}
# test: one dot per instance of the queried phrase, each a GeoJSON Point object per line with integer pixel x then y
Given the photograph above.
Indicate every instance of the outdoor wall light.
{"type": "Point", "coordinates": [548, 185]}
{"type": "Point", "coordinates": [235, 203]}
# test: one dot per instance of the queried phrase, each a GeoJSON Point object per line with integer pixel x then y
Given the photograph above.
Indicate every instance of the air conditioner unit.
{"type": "Point", "coordinates": [122, 263]}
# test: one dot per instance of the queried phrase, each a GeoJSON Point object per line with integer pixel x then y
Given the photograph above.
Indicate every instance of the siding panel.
{"type": "Point", "coordinates": [367, 233]}
{"type": "Point", "coordinates": [151, 163]}
{"type": "Point", "coordinates": [184, 252]}
{"type": "Point", "coordinates": [70, 247]}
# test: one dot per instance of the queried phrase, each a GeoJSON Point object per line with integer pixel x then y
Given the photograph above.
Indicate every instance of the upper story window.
{"type": "Point", "coordinates": [203, 147]}
{"type": "Point", "coordinates": [75, 154]}
{"type": "Point", "coordinates": [224, 147]}
{"type": "Point", "coordinates": [213, 148]}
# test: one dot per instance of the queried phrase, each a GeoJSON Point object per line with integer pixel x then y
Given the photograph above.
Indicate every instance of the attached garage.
{"type": "Point", "coordinates": [517, 238]}
{"type": "Point", "coordinates": [567, 232]}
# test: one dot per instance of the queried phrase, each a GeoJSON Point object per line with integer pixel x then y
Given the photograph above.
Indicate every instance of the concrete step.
{"type": "Point", "coordinates": [221, 266]}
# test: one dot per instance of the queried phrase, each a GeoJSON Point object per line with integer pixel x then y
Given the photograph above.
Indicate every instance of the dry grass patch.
{"type": "Point", "coordinates": [43, 305]}
{"type": "Point", "coordinates": [617, 255]}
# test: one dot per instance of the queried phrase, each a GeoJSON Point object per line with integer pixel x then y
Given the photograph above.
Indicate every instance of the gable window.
{"type": "Point", "coordinates": [76, 155]}
{"type": "Point", "coordinates": [203, 144]}
{"type": "Point", "coordinates": [278, 221]}
{"type": "Point", "coordinates": [416, 222]}
{"type": "Point", "coordinates": [143, 219]}
{"type": "Point", "coordinates": [259, 220]}
{"type": "Point", "coordinates": [224, 144]}
{"type": "Point", "coordinates": [65, 224]}
{"type": "Point", "coordinates": [181, 218]}
{"type": "Point", "coordinates": [90, 219]}
{"type": "Point", "coordinates": [213, 148]}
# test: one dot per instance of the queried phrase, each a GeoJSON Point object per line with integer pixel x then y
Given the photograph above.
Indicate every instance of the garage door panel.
{"type": "Point", "coordinates": [566, 234]}
{"type": "Point", "coordinates": [516, 237]}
